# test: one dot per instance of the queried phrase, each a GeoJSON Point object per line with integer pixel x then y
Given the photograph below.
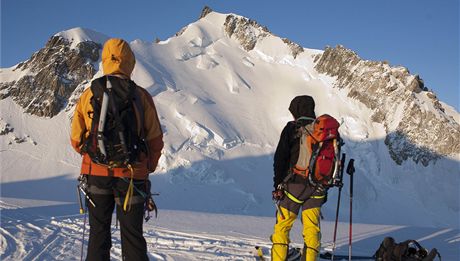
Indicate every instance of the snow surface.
{"type": "Point", "coordinates": [222, 110]}
{"type": "Point", "coordinates": [78, 34]}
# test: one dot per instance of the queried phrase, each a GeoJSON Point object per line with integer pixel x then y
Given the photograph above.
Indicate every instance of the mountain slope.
{"type": "Point", "coordinates": [417, 123]}
{"type": "Point", "coordinates": [222, 86]}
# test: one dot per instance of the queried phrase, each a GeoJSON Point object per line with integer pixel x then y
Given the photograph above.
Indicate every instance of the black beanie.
{"type": "Point", "coordinates": [302, 106]}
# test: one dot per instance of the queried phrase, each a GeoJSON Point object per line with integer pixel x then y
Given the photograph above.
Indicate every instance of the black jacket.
{"type": "Point", "coordinates": [287, 151]}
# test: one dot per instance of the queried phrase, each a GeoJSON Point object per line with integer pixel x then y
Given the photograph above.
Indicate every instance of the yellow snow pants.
{"type": "Point", "coordinates": [311, 234]}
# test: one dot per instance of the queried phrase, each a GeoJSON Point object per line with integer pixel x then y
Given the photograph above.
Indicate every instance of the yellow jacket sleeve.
{"type": "Point", "coordinates": [152, 127]}
{"type": "Point", "coordinates": [80, 122]}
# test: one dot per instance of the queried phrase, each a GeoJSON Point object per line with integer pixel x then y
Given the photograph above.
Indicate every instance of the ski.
{"type": "Point", "coordinates": [328, 256]}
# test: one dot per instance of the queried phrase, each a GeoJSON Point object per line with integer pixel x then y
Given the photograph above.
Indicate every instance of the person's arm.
{"type": "Point", "coordinates": [153, 132]}
{"type": "Point", "coordinates": [78, 127]}
{"type": "Point", "coordinates": [281, 158]}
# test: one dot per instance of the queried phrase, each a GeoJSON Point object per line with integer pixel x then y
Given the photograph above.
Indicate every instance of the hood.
{"type": "Point", "coordinates": [117, 57]}
{"type": "Point", "coordinates": [302, 106]}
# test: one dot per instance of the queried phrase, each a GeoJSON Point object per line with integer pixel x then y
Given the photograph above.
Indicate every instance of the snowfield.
{"type": "Point", "coordinates": [222, 110]}
{"type": "Point", "coordinates": [184, 235]}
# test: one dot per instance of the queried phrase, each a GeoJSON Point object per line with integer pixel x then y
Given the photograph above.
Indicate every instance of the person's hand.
{"type": "Point", "coordinates": [337, 183]}
{"type": "Point", "coordinates": [277, 194]}
{"type": "Point", "coordinates": [320, 189]}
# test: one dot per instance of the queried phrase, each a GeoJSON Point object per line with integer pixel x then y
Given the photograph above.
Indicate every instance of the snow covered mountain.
{"type": "Point", "coordinates": [222, 86]}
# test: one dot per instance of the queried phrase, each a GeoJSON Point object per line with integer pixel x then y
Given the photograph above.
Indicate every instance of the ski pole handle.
{"type": "Point", "coordinates": [350, 171]}
{"type": "Point", "coordinates": [351, 167]}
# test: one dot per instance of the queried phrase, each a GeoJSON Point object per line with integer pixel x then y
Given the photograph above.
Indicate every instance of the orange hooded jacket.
{"type": "Point", "coordinates": [118, 60]}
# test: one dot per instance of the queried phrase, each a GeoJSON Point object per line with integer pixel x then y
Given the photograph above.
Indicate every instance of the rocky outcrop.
{"type": "Point", "coordinates": [206, 10]}
{"type": "Point", "coordinates": [53, 73]}
{"type": "Point", "coordinates": [5, 128]}
{"type": "Point", "coordinates": [295, 48]}
{"type": "Point", "coordinates": [398, 101]}
{"type": "Point", "coordinates": [247, 32]}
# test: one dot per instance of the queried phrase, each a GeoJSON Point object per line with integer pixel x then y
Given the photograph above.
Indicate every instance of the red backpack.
{"type": "Point", "coordinates": [319, 151]}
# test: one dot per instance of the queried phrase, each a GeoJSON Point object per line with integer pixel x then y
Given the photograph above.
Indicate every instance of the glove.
{"type": "Point", "coordinates": [277, 194]}
{"type": "Point", "coordinates": [320, 189]}
{"type": "Point", "coordinates": [337, 183]}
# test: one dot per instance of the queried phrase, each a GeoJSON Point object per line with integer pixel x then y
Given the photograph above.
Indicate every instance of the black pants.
{"type": "Point", "coordinates": [133, 245]}
{"type": "Point", "coordinates": [300, 189]}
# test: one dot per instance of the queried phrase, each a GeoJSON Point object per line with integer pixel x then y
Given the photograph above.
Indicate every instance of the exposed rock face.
{"type": "Point", "coordinates": [206, 10]}
{"type": "Point", "coordinates": [398, 100]}
{"type": "Point", "coordinates": [295, 48]}
{"type": "Point", "coordinates": [247, 32]}
{"type": "Point", "coordinates": [53, 74]}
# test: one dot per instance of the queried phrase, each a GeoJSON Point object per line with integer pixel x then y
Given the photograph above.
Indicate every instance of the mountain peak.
{"type": "Point", "coordinates": [206, 10]}
{"type": "Point", "coordinates": [249, 32]}
{"type": "Point", "coordinates": [78, 34]}
{"type": "Point", "coordinates": [44, 83]}
{"type": "Point", "coordinates": [222, 88]}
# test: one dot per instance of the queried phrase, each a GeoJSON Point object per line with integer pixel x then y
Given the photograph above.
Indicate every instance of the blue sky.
{"type": "Point", "coordinates": [422, 35]}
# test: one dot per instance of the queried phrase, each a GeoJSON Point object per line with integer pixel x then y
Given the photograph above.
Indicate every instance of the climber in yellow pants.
{"type": "Point", "coordinates": [293, 190]}
{"type": "Point", "coordinates": [311, 232]}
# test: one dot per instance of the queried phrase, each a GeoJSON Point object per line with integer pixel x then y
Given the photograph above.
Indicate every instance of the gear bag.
{"type": "Point", "coordinates": [409, 250]}
{"type": "Point", "coordinates": [319, 151]}
{"type": "Point", "coordinates": [116, 138]}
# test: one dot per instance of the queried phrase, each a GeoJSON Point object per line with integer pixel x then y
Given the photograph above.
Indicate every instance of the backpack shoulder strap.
{"type": "Point", "coordinates": [98, 87]}
{"type": "Point", "coordinates": [139, 110]}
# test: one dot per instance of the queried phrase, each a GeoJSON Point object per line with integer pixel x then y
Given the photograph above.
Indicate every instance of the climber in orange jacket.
{"type": "Point", "coordinates": [110, 184]}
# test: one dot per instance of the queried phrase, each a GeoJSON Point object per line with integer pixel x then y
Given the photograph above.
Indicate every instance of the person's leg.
{"type": "Point", "coordinates": [311, 233]}
{"type": "Point", "coordinates": [133, 244]}
{"type": "Point", "coordinates": [100, 219]}
{"type": "Point", "coordinates": [280, 237]}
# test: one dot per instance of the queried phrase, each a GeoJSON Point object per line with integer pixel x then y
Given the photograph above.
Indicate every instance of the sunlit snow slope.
{"type": "Point", "coordinates": [222, 109]}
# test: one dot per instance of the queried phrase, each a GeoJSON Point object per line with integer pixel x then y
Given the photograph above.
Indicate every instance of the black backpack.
{"type": "Point", "coordinates": [116, 138]}
{"type": "Point", "coordinates": [409, 250]}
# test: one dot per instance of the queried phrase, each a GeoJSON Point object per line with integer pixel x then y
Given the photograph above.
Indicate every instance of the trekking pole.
{"type": "Point", "coordinates": [340, 184]}
{"type": "Point", "coordinates": [350, 171]}
{"type": "Point", "coordinates": [83, 236]}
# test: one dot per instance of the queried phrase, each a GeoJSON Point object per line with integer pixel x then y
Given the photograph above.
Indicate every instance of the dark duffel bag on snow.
{"type": "Point", "coordinates": [409, 250]}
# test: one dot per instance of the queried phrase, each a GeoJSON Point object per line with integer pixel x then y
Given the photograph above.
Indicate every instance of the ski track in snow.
{"type": "Point", "coordinates": [60, 239]}
{"type": "Point", "coordinates": [27, 237]}
{"type": "Point", "coordinates": [199, 247]}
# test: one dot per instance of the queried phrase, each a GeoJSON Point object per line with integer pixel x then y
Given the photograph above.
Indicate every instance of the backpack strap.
{"type": "Point", "coordinates": [140, 119]}
{"type": "Point", "coordinates": [116, 117]}
{"type": "Point", "coordinates": [140, 114]}
{"type": "Point", "coordinates": [423, 252]}
{"type": "Point", "coordinates": [102, 116]}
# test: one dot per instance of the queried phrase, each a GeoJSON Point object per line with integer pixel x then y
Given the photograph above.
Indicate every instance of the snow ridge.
{"type": "Point", "coordinates": [222, 109]}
